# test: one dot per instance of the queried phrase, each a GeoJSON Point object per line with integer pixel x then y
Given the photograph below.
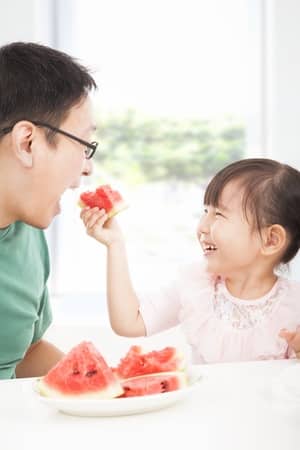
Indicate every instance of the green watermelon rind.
{"type": "Point", "coordinates": [115, 391]}
{"type": "Point", "coordinates": [112, 391]}
{"type": "Point", "coordinates": [82, 372]}
{"type": "Point", "coordinates": [118, 207]}
{"type": "Point", "coordinates": [180, 376]}
{"type": "Point", "coordinates": [59, 382]}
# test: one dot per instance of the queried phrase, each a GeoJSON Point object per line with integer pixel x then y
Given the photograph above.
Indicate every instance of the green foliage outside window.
{"type": "Point", "coordinates": [140, 149]}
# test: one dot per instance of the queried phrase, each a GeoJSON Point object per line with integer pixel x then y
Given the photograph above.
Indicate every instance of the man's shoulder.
{"type": "Point", "coordinates": [19, 233]}
{"type": "Point", "coordinates": [24, 243]}
{"type": "Point", "coordinates": [20, 226]}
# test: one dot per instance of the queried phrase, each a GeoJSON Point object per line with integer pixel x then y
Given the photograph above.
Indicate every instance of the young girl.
{"type": "Point", "coordinates": [233, 307]}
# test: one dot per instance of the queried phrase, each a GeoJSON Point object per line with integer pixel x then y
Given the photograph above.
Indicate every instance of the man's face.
{"type": "Point", "coordinates": [59, 166]}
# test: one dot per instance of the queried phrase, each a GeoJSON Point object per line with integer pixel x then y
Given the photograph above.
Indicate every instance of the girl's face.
{"type": "Point", "coordinates": [228, 241]}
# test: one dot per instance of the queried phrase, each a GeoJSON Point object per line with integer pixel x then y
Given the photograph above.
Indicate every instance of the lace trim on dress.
{"type": "Point", "coordinates": [249, 314]}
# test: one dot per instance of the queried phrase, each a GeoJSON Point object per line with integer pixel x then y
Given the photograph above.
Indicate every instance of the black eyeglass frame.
{"type": "Point", "coordinates": [91, 146]}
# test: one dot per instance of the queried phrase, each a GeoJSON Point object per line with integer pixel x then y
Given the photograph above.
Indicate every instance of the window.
{"type": "Point", "coordinates": [179, 97]}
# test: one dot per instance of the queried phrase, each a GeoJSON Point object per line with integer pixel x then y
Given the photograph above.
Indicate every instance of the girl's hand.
{"type": "Point", "coordinates": [100, 227]}
{"type": "Point", "coordinates": [293, 339]}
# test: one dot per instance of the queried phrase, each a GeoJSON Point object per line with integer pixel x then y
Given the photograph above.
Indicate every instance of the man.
{"type": "Point", "coordinates": [45, 131]}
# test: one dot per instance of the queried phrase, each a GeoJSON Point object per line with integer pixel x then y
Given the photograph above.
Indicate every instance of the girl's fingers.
{"type": "Point", "coordinates": [85, 215]}
{"type": "Point", "coordinates": [287, 335]}
{"type": "Point", "coordinates": [293, 339]}
{"type": "Point", "coordinates": [98, 218]}
{"type": "Point", "coordinates": [84, 211]}
{"type": "Point", "coordinates": [88, 215]}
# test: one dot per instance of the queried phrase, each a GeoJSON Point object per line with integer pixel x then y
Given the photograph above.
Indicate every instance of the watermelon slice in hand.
{"type": "Point", "coordinates": [104, 197]}
{"type": "Point", "coordinates": [136, 363]}
{"type": "Point", "coordinates": [82, 373]}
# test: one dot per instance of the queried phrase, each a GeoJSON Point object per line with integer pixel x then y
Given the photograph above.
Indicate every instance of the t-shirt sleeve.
{"type": "Point", "coordinates": [24, 302]}
{"type": "Point", "coordinates": [160, 308]}
{"type": "Point", "coordinates": [29, 327]}
{"type": "Point", "coordinates": [44, 317]}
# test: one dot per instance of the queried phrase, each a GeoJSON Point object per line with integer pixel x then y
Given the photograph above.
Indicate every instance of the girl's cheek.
{"type": "Point", "coordinates": [214, 230]}
{"type": "Point", "coordinates": [199, 229]}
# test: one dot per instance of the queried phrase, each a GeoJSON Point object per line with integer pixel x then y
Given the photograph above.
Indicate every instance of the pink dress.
{"type": "Point", "coordinates": [219, 327]}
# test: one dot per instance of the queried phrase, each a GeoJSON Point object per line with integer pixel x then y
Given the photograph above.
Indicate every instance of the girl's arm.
{"type": "Point", "coordinates": [123, 304]}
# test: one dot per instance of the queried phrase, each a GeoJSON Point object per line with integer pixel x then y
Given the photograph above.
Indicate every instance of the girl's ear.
{"type": "Point", "coordinates": [274, 239]}
{"type": "Point", "coordinates": [22, 135]}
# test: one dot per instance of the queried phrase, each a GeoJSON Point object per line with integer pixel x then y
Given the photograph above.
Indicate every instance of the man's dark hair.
{"type": "Point", "coordinates": [39, 83]}
{"type": "Point", "coordinates": [271, 195]}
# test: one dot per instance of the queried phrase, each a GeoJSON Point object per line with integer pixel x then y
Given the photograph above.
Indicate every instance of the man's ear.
{"type": "Point", "coordinates": [274, 239]}
{"type": "Point", "coordinates": [22, 135]}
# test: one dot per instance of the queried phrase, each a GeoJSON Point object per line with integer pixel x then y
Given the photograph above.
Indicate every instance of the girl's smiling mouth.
{"type": "Point", "coordinates": [208, 248]}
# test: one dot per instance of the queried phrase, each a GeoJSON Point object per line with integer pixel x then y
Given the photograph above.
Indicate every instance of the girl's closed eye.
{"type": "Point", "coordinates": [218, 214]}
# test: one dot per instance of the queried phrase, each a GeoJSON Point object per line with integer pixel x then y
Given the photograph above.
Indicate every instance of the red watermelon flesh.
{"type": "Point", "coordinates": [82, 372]}
{"type": "Point", "coordinates": [136, 363]}
{"type": "Point", "coordinates": [104, 197]}
{"type": "Point", "coordinates": [154, 384]}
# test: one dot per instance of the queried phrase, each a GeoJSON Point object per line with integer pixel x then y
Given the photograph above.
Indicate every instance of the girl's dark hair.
{"type": "Point", "coordinates": [271, 194]}
{"type": "Point", "coordinates": [39, 83]}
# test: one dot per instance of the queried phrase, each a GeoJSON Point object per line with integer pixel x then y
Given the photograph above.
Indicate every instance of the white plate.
{"type": "Point", "coordinates": [122, 406]}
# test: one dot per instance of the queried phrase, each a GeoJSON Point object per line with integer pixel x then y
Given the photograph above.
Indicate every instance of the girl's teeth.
{"type": "Point", "coordinates": [210, 247]}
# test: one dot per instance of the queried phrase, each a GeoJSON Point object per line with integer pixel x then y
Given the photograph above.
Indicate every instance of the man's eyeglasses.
{"type": "Point", "coordinates": [90, 149]}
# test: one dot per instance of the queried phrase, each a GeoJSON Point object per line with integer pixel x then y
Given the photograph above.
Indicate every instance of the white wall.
{"type": "Point", "coordinates": [29, 20]}
{"type": "Point", "coordinates": [283, 80]}
{"type": "Point", "coordinates": [282, 87]}
{"type": "Point", "coordinates": [35, 20]}
{"type": "Point", "coordinates": [16, 21]}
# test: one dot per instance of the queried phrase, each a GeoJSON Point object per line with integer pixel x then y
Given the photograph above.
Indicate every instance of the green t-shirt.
{"type": "Point", "coordinates": [24, 304]}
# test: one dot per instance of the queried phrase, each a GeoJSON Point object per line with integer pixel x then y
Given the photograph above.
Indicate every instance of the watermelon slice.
{"type": "Point", "coordinates": [157, 383]}
{"type": "Point", "coordinates": [104, 197]}
{"type": "Point", "coordinates": [136, 363]}
{"type": "Point", "coordinates": [83, 373]}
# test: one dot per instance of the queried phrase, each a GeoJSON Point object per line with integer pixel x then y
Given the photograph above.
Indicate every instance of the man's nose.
{"type": "Point", "coordinates": [88, 167]}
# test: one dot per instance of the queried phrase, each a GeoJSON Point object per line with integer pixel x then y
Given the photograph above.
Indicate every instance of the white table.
{"type": "Point", "coordinates": [232, 409]}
